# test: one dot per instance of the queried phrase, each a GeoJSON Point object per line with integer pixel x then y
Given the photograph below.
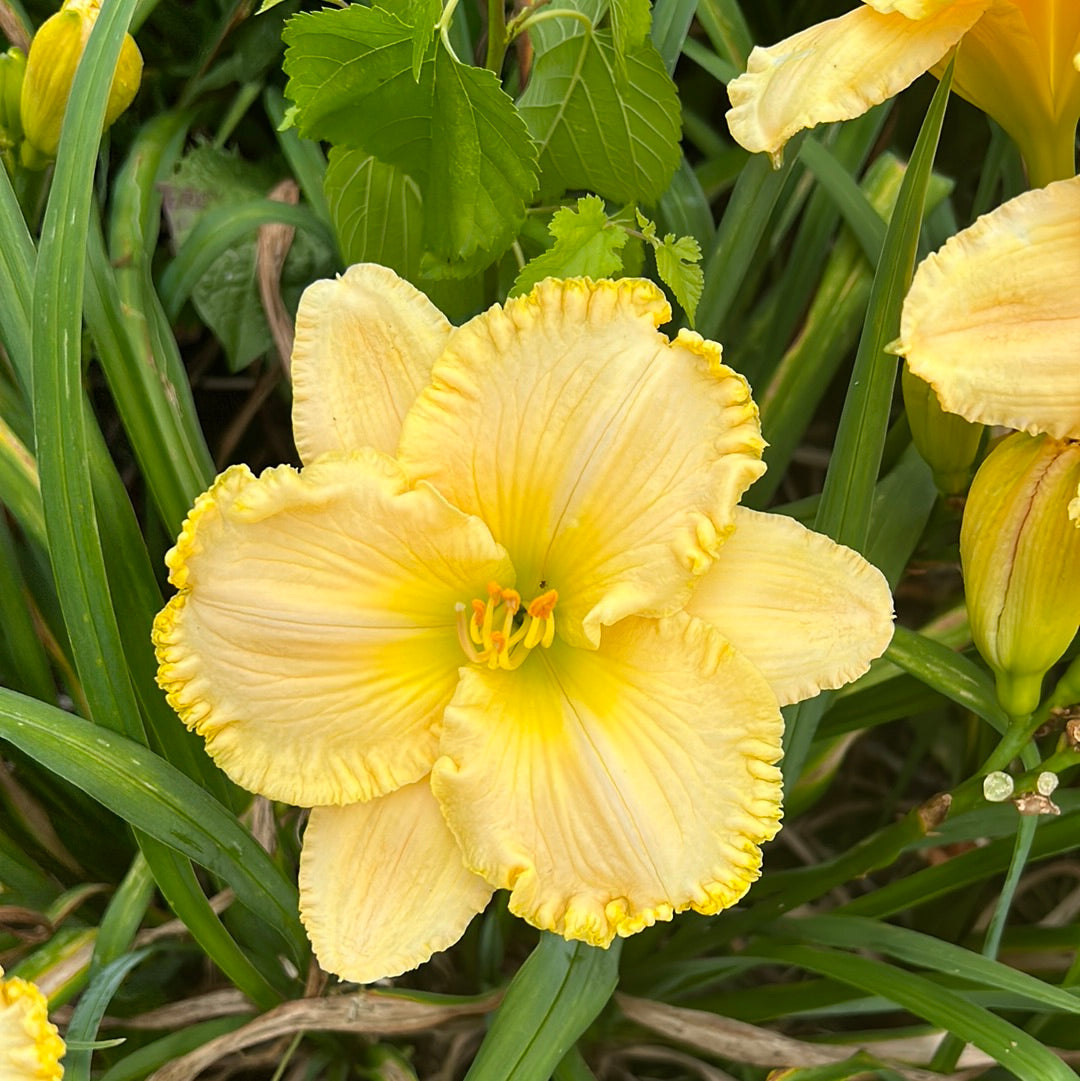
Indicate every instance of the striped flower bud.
{"type": "Point", "coordinates": [1021, 559]}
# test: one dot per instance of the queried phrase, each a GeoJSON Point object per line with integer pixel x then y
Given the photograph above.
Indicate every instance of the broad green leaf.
{"type": "Point", "coordinates": [555, 996]}
{"type": "Point", "coordinates": [631, 21]}
{"type": "Point", "coordinates": [453, 130]}
{"type": "Point", "coordinates": [596, 131]}
{"type": "Point", "coordinates": [586, 244]}
{"type": "Point", "coordinates": [678, 261]}
{"type": "Point", "coordinates": [226, 295]}
{"type": "Point", "coordinates": [376, 211]}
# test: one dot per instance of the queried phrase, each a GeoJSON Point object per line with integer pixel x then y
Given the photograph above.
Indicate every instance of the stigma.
{"type": "Point", "coordinates": [501, 632]}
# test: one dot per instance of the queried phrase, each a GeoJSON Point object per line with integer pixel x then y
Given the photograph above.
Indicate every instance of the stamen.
{"type": "Point", "coordinates": [519, 633]}
{"type": "Point", "coordinates": [541, 607]}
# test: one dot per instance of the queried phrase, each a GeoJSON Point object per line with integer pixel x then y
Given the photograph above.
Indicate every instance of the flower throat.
{"type": "Point", "coordinates": [500, 632]}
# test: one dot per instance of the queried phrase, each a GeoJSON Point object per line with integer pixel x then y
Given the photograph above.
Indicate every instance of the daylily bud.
{"type": "Point", "coordinates": [948, 442]}
{"type": "Point", "coordinates": [12, 70]}
{"type": "Point", "coordinates": [50, 69]}
{"type": "Point", "coordinates": [1021, 559]}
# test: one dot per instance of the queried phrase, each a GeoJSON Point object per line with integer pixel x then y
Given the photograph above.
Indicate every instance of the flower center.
{"type": "Point", "coordinates": [500, 633]}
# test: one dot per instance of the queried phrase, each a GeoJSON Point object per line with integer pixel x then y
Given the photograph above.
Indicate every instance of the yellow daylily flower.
{"type": "Point", "coordinates": [461, 632]}
{"type": "Point", "coordinates": [992, 320]}
{"type": "Point", "coordinates": [1016, 63]}
{"type": "Point", "coordinates": [30, 1045]}
{"type": "Point", "coordinates": [992, 323]}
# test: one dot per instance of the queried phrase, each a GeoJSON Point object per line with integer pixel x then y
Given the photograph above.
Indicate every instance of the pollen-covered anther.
{"type": "Point", "coordinates": [499, 634]}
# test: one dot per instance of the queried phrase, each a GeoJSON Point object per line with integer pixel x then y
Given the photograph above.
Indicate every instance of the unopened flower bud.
{"type": "Point", "coordinates": [948, 442]}
{"type": "Point", "coordinates": [1020, 553]}
{"type": "Point", "coordinates": [50, 69]}
{"type": "Point", "coordinates": [12, 70]}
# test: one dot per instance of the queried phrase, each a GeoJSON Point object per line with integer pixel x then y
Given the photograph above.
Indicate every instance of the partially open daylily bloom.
{"type": "Point", "coordinates": [1016, 63]}
{"type": "Point", "coordinates": [30, 1046]}
{"type": "Point", "coordinates": [992, 320]}
{"type": "Point", "coordinates": [467, 632]}
{"type": "Point", "coordinates": [992, 323]}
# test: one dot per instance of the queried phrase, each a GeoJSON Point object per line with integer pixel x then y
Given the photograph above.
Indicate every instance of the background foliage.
{"type": "Point", "coordinates": [147, 287]}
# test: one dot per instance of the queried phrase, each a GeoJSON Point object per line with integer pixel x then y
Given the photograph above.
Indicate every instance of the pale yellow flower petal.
{"type": "Point", "coordinates": [610, 789]}
{"type": "Point", "coordinates": [30, 1045]}
{"type": "Point", "coordinates": [992, 320]}
{"type": "Point", "coordinates": [605, 458]}
{"type": "Point", "coordinates": [838, 70]}
{"type": "Point", "coordinates": [313, 641]}
{"type": "Point", "coordinates": [383, 885]}
{"type": "Point", "coordinates": [365, 344]}
{"type": "Point", "coordinates": [809, 613]}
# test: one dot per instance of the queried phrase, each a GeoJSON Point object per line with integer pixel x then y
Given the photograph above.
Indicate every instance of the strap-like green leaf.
{"type": "Point", "coordinates": [553, 998]}
{"type": "Point", "coordinates": [844, 512]}
{"type": "Point", "coordinates": [157, 799]}
{"type": "Point", "coordinates": [1013, 1048]}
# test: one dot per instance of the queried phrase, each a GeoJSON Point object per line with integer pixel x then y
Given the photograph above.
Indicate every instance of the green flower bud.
{"type": "Point", "coordinates": [948, 442]}
{"type": "Point", "coordinates": [12, 69]}
{"type": "Point", "coordinates": [50, 69]}
{"type": "Point", "coordinates": [1020, 553]}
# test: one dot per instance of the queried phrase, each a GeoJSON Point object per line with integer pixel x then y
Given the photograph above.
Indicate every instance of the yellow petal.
{"type": "Point", "coordinates": [1016, 65]}
{"type": "Point", "coordinates": [313, 641]}
{"type": "Point", "coordinates": [609, 789]}
{"type": "Point", "coordinates": [992, 320]}
{"type": "Point", "coordinates": [838, 69]}
{"type": "Point", "coordinates": [365, 344]}
{"type": "Point", "coordinates": [30, 1046]}
{"type": "Point", "coordinates": [809, 613]}
{"type": "Point", "coordinates": [383, 885]}
{"type": "Point", "coordinates": [606, 459]}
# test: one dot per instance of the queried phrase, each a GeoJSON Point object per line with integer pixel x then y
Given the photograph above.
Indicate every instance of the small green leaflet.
{"type": "Point", "coordinates": [586, 244]}
{"type": "Point", "coordinates": [678, 262]}
{"type": "Point", "coordinates": [597, 131]}
{"type": "Point", "coordinates": [453, 130]}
